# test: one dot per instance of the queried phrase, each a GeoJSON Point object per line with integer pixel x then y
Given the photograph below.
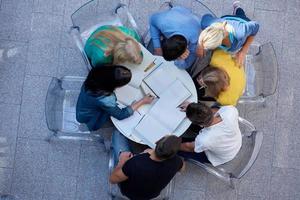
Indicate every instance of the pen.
{"type": "Point", "coordinates": [152, 64]}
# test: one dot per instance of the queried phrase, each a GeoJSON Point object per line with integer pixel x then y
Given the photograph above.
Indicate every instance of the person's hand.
{"type": "Point", "coordinates": [124, 156]}
{"type": "Point", "coordinates": [200, 50]}
{"type": "Point", "coordinates": [148, 99]}
{"type": "Point", "coordinates": [158, 51]}
{"type": "Point", "coordinates": [184, 55]}
{"type": "Point", "coordinates": [183, 106]}
{"type": "Point", "coordinates": [240, 58]}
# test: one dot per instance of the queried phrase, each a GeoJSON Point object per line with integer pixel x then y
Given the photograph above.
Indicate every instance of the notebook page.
{"type": "Point", "coordinates": [166, 108]}
{"type": "Point", "coordinates": [151, 130]}
{"type": "Point", "coordinates": [127, 125]}
{"type": "Point", "coordinates": [160, 79]}
{"type": "Point", "coordinates": [127, 94]}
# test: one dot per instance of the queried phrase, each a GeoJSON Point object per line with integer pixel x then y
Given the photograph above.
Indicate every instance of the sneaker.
{"type": "Point", "coordinates": [235, 5]}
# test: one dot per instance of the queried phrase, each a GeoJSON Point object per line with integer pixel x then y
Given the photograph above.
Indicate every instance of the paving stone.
{"type": "Point", "coordinates": [285, 182]}
{"type": "Point", "coordinates": [9, 118]}
{"type": "Point", "coordinates": [60, 187]}
{"type": "Point", "coordinates": [30, 169]}
{"type": "Point", "coordinates": [53, 6]}
{"type": "Point", "coordinates": [275, 5]}
{"type": "Point", "coordinates": [193, 178]}
{"type": "Point", "coordinates": [16, 7]}
{"type": "Point", "coordinates": [71, 63]}
{"type": "Point", "coordinates": [63, 158]}
{"type": "Point", "coordinates": [5, 180]}
{"type": "Point", "coordinates": [90, 188]}
{"type": "Point", "coordinates": [13, 59]}
{"type": "Point", "coordinates": [43, 57]}
{"type": "Point", "coordinates": [45, 26]}
{"type": "Point", "coordinates": [214, 5]}
{"type": "Point", "coordinates": [241, 197]}
{"type": "Point", "coordinates": [188, 195]}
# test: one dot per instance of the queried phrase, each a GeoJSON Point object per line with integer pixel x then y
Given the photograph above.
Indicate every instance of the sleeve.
{"type": "Point", "coordinates": [111, 107]}
{"type": "Point", "coordinates": [155, 30]}
{"type": "Point", "coordinates": [200, 143]}
{"type": "Point", "coordinates": [188, 62]}
{"type": "Point", "coordinates": [252, 28]}
{"type": "Point", "coordinates": [128, 168]}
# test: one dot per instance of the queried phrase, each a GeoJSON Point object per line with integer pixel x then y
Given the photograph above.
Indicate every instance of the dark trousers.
{"type": "Point", "coordinates": [239, 13]}
{"type": "Point", "coordinates": [201, 157]}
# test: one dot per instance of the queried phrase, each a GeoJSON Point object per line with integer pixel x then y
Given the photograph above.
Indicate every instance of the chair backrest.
{"type": "Point", "coordinates": [251, 144]}
{"type": "Point", "coordinates": [60, 105]}
{"type": "Point", "coordinates": [262, 71]}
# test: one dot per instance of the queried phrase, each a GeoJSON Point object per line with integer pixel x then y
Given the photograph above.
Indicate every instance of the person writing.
{"type": "Point", "coordinates": [97, 101]}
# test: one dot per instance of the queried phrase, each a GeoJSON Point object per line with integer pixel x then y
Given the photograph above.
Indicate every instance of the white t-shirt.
{"type": "Point", "coordinates": [222, 141]}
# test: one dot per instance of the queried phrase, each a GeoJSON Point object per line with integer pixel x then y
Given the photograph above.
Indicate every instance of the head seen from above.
{"type": "Point", "coordinates": [215, 80]}
{"type": "Point", "coordinates": [105, 79]}
{"type": "Point", "coordinates": [173, 47]}
{"type": "Point", "coordinates": [167, 147]}
{"type": "Point", "coordinates": [199, 114]}
{"type": "Point", "coordinates": [212, 37]}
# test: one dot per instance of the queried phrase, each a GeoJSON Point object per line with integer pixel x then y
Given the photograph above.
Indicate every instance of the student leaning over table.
{"type": "Point", "coordinates": [219, 140]}
{"type": "Point", "coordinates": [113, 44]}
{"type": "Point", "coordinates": [179, 30]}
{"type": "Point", "coordinates": [232, 33]}
{"type": "Point", "coordinates": [97, 100]}
{"type": "Point", "coordinates": [223, 80]}
{"type": "Point", "coordinates": [144, 176]}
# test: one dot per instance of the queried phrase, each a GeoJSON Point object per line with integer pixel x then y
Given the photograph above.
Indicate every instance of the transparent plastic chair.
{"type": "Point", "coordinates": [261, 69]}
{"type": "Point", "coordinates": [115, 193]}
{"type": "Point", "coordinates": [60, 110]}
{"type": "Point", "coordinates": [96, 13]}
{"type": "Point", "coordinates": [240, 165]}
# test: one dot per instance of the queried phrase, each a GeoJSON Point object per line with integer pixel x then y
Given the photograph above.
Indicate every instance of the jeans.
{"type": "Point", "coordinates": [239, 13]}
{"type": "Point", "coordinates": [119, 143]}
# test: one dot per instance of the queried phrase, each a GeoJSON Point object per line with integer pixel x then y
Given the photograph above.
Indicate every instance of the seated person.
{"type": "Point", "coordinates": [219, 140]}
{"type": "Point", "coordinates": [145, 175]}
{"type": "Point", "coordinates": [225, 81]}
{"type": "Point", "coordinates": [97, 100]}
{"type": "Point", "coordinates": [232, 33]}
{"type": "Point", "coordinates": [180, 37]}
{"type": "Point", "coordinates": [113, 45]}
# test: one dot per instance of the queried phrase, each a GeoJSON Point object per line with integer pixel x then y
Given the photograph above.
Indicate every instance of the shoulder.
{"type": "Point", "coordinates": [109, 100]}
{"type": "Point", "coordinates": [229, 114]}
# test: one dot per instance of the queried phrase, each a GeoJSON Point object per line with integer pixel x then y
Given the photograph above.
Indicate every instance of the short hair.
{"type": "Point", "coordinates": [167, 147]}
{"type": "Point", "coordinates": [199, 114]}
{"type": "Point", "coordinates": [214, 79]}
{"type": "Point", "coordinates": [173, 47]}
{"type": "Point", "coordinates": [212, 36]}
{"type": "Point", "coordinates": [105, 79]}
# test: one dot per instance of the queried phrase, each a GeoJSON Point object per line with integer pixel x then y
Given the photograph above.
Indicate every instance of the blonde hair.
{"type": "Point", "coordinates": [215, 80]}
{"type": "Point", "coordinates": [123, 48]}
{"type": "Point", "coordinates": [212, 36]}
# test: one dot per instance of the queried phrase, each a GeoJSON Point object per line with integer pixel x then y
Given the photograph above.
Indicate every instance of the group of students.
{"type": "Point", "coordinates": [176, 34]}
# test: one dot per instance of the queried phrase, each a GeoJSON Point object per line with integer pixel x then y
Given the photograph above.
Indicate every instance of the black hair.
{"type": "Point", "coordinates": [103, 80]}
{"type": "Point", "coordinates": [199, 114]}
{"type": "Point", "coordinates": [167, 147]}
{"type": "Point", "coordinates": [173, 47]}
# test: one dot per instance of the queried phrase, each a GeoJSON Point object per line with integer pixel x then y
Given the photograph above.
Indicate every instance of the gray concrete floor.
{"type": "Point", "coordinates": [35, 46]}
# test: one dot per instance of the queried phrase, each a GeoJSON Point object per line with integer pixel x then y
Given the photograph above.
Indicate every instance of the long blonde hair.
{"type": "Point", "coordinates": [214, 80]}
{"type": "Point", "coordinates": [123, 48]}
{"type": "Point", "coordinates": [212, 36]}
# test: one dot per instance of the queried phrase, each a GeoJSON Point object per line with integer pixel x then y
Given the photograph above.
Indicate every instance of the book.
{"type": "Point", "coordinates": [128, 94]}
{"type": "Point", "coordinates": [165, 115]}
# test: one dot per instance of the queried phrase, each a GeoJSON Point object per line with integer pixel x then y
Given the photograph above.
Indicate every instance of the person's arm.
{"type": "Point", "coordinates": [155, 31]}
{"type": "Point", "coordinates": [146, 100]}
{"type": "Point", "coordinates": [186, 63]}
{"type": "Point", "coordinates": [118, 175]}
{"type": "Point", "coordinates": [251, 29]}
{"type": "Point", "coordinates": [187, 146]}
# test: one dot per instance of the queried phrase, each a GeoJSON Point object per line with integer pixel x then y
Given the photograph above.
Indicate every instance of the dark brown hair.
{"type": "Point", "coordinates": [167, 147]}
{"type": "Point", "coordinates": [199, 114]}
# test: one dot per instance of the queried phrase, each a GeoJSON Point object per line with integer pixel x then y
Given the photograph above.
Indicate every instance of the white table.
{"type": "Point", "coordinates": [183, 76]}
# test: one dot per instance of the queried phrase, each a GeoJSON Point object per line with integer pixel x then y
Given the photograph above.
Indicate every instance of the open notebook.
{"type": "Point", "coordinates": [138, 70]}
{"type": "Point", "coordinates": [164, 116]}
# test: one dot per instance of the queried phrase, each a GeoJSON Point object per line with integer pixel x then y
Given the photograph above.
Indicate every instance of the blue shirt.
{"type": "Point", "coordinates": [176, 21]}
{"type": "Point", "coordinates": [94, 111]}
{"type": "Point", "coordinates": [242, 29]}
